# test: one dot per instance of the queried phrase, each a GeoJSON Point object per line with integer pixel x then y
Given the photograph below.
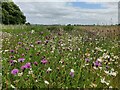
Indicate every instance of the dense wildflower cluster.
{"type": "Point", "coordinates": [60, 58]}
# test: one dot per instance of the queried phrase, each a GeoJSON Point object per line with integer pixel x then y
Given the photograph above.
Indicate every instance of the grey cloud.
{"type": "Point", "coordinates": [61, 13]}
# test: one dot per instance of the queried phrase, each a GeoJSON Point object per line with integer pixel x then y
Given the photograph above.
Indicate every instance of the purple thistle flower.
{"type": "Point", "coordinates": [38, 42]}
{"type": "Point", "coordinates": [11, 56]}
{"type": "Point", "coordinates": [35, 63]}
{"type": "Point", "coordinates": [43, 57]}
{"type": "Point", "coordinates": [11, 51]}
{"type": "Point", "coordinates": [46, 41]}
{"type": "Point", "coordinates": [23, 67]}
{"type": "Point", "coordinates": [23, 54]}
{"type": "Point", "coordinates": [97, 64]}
{"type": "Point", "coordinates": [14, 71]}
{"type": "Point", "coordinates": [72, 73]}
{"type": "Point", "coordinates": [28, 65]}
{"type": "Point", "coordinates": [27, 48]}
{"type": "Point", "coordinates": [41, 33]}
{"type": "Point", "coordinates": [87, 60]}
{"type": "Point", "coordinates": [19, 43]}
{"type": "Point", "coordinates": [21, 59]}
{"type": "Point", "coordinates": [44, 61]}
{"type": "Point", "coordinates": [107, 67]}
{"type": "Point", "coordinates": [11, 62]}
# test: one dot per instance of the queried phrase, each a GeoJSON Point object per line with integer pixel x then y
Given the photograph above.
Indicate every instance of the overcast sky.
{"type": "Point", "coordinates": [69, 12]}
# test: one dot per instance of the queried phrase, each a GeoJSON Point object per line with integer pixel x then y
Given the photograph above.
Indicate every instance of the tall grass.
{"type": "Point", "coordinates": [80, 58]}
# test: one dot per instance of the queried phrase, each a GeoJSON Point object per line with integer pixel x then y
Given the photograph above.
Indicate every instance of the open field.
{"type": "Point", "coordinates": [60, 57]}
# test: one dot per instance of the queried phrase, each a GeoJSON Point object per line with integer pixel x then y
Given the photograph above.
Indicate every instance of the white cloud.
{"type": "Point", "coordinates": [62, 13]}
{"type": "Point", "coordinates": [66, 1]}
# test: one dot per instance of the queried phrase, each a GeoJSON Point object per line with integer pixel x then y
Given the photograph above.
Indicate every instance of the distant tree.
{"type": "Point", "coordinates": [69, 27]}
{"type": "Point", "coordinates": [11, 14]}
{"type": "Point", "coordinates": [0, 13]}
{"type": "Point", "coordinates": [27, 23]}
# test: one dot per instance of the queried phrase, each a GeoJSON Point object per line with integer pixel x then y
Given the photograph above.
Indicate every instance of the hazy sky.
{"type": "Point", "coordinates": [70, 11]}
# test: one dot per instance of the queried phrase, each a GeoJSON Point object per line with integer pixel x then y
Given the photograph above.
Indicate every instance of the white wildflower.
{"type": "Point", "coordinates": [20, 74]}
{"type": "Point", "coordinates": [36, 80]}
{"type": "Point", "coordinates": [60, 61]}
{"type": "Point", "coordinates": [106, 56]}
{"type": "Point", "coordinates": [46, 82]}
{"type": "Point", "coordinates": [116, 57]}
{"type": "Point", "coordinates": [78, 49]}
{"type": "Point", "coordinates": [62, 44]}
{"type": "Point", "coordinates": [72, 70]}
{"type": "Point", "coordinates": [12, 86]}
{"type": "Point", "coordinates": [116, 62]}
{"type": "Point", "coordinates": [99, 59]}
{"type": "Point", "coordinates": [71, 50]}
{"type": "Point", "coordinates": [86, 64]}
{"type": "Point", "coordinates": [112, 69]}
{"type": "Point", "coordinates": [107, 72]}
{"type": "Point", "coordinates": [32, 31]}
{"type": "Point", "coordinates": [49, 69]}
{"type": "Point", "coordinates": [6, 50]}
{"type": "Point", "coordinates": [104, 50]}
{"type": "Point", "coordinates": [30, 72]}
{"type": "Point", "coordinates": [93, 85]}
{"type": "Point", "coordinates": [14, 60]}
{"type": "Point", "coordinates": [107, 83]}
{"type": "Point", "coordinates": [30, 68]}
{"type": "Point", "coordinates": [100, 68]}
{"type": "Point", "coordinates": [74, 62]}
{"type": "Point", "coordinates": [31, 45]}
{"type": "Point", "coordinates": [110, 87]}
{"type": "Point", "coordinates": [113, 60]}
{"type": "Point", "coordinates": [113, 73]}
{"type": "Point", "coordinates": [69, 40]}
{"type": "Point", "coordinates": [52, 51]}
{"type": "Point", "coordinates": [97, 48]}
{"type": "Point", "coordinates": [83, 66]}
{"type": "Point", "coordinates": [95, 68]}
{"type": "Point", "coordinates": [63, 65]}
{"type": "Point", "coordinates": [103, 80]}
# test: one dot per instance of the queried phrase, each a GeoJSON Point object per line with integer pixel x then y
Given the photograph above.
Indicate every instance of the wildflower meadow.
{"type": "Point", "coordinates": [36, 56]}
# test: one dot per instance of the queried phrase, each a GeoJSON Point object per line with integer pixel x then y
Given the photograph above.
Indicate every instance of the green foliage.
{"type": "Point", "coordinates": [69, 27]}
{"type": "Point", "coordinates": [27, 23]}
{"type": "Point", "coordinates": [51, 28]}
{"type": "Point", "coordinates": [11, 14]}
{"type": "Point", "coordinates": [63, 52]}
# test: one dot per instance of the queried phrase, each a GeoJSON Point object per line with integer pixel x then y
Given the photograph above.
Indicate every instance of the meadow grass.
{"type": "Point", "coordinates": [51, 57]}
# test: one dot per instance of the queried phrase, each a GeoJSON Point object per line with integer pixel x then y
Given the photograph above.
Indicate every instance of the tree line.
{"type": "Point", "coordinates": [11, 14]}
